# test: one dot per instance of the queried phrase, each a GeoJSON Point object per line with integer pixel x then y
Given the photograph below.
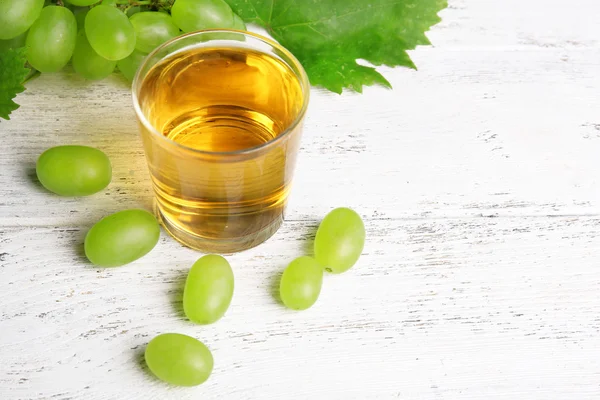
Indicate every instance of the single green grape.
{"type": "Point", "coordinates": [82, 2]}
{"type": "Point", "coordinates": [130, 64]}
{"type": "Point", "coordinates": [121, 238]}
{"type": "Point", "coordinates": [208, 289]}
{"type": "Point", "coordinates": [16, 16]}
{"type": "Point", "coordinates": [14, 43]}
{"type": "Point", "coordinates": [179, 359]}
{"type": "Point", "coordinates": [238, 23]}
{"type": "Point", "coordinates": [51, 39]}
{"type": "Point", "coordinates": [340, 240]}
{"type": "Point", "coordinates": [74, 170]}
{"type": "Point", "coordinates": [109, 32]}
{"type": "Point", "coordinates": [152, 29]}
{"type": "Point", "coordinates": [89, 64]}
{"type": "Point", "coordinates": [301, 282]}
{"type": "Point", "coordinates": [195, 15]}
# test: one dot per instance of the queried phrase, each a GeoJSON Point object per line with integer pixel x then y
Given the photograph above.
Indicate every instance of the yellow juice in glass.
{"type": "Point", "coordinates": [221, 118]}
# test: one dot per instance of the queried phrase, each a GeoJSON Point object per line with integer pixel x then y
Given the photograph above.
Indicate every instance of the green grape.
{"type": "Point", "coordinates": [238, 23]}
{"type": "Point", "coordinates": [109, 32]}
{"type": "Point", "coordinates": [129, 65]}
{"type": "Point", "coordinates": [82, 2]}
{"type": "Point", "coordinates": [87, 63]}
{"type": "Point", "coordinates": [121, 238]}
{"type": "Point", "coordinates": [16, 16]}
{"type": "Point", "coordinates": [208, 289]}
{"type": "Point", "coordinates": [195, 15]}
{"type": "Point", "coordinates": [152, 29]}
{"type": "Point", "coordinates": [14, 43]}
{"type": "Point", "coordinates": [51, 39]}
{"type": "Point", "coordinates": [74, 170]}
{"type": "Point", "coordinates": [340, 240]}
{"type": "Point", "coordinates": [300, 284]}
{"type": "Point", "coordinates": [179, 359]}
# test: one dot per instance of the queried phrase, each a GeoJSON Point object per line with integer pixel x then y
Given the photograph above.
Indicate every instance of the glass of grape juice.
{"type": "Point", "coordinates": [220, 115]}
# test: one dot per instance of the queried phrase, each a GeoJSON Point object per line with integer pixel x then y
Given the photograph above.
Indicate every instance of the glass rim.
{"type": "Point", "coordinates": [303, 79]}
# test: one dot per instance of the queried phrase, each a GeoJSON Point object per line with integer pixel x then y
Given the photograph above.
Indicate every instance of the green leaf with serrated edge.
{"type": "Point", "coordinates": [12, 75]}
{"type": "Point", "coordinates": [328, 36]}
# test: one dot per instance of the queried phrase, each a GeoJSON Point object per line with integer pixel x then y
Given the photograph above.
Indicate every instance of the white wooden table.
{"type": "Point", "coordinates": [479, 181]}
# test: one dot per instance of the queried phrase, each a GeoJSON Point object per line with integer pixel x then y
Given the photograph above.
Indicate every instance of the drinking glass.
{"type": "Point", "coordinates": [220, 114]}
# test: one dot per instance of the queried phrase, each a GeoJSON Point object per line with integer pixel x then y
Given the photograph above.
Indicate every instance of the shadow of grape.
{"type": "Point", "coordinates": [80, 253]}
{"type": "Point", "coordinates": [308, 238]}
{"type": "Point", "coordinates": [32, 178]}
{"type": "Point", "coordinates": [176, 294]}
{"type": "Point", "coordinates": [76, 241]}
{"type": "Point", "coordinates": [140, 360]}
{"type": "Point", "coordinates": [274, 286]}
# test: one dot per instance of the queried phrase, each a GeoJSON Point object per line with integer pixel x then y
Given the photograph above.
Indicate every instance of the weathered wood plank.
{"type": "Point", "coordinates": [478, 180]}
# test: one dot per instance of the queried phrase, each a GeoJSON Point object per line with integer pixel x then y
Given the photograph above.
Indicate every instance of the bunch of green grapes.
{"type": "Point", "coordinates": [97, 36]}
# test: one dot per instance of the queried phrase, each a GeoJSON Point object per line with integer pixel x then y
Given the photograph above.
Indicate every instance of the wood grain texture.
{"type": "Point", "coordinates": [478, 180]}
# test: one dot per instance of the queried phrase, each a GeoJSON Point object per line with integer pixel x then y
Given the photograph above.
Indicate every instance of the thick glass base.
{"type": "Point", "coordinates": [217, 246]}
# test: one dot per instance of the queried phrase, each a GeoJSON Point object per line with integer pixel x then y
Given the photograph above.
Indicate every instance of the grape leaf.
{"type": "Point", "coordinates": [12, 75]}
{"type": "Point", "coordinates": [328, 36]}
